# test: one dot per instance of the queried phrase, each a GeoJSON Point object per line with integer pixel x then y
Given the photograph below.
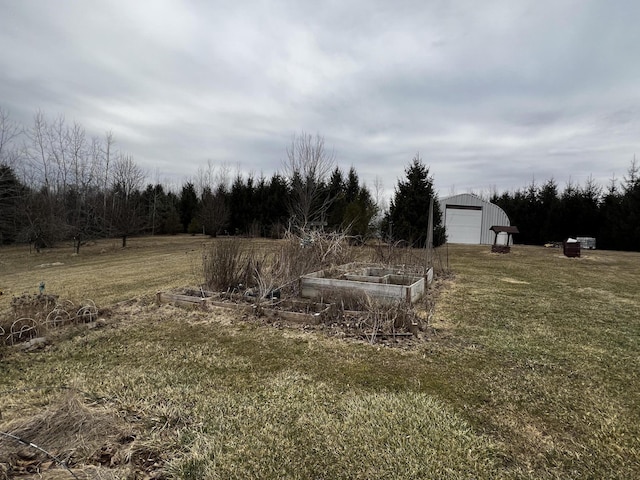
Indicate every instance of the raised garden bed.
{"type": "Point", "coordinates": [381, 283]}
{"type": "Point", "coordinates": [297, 311]}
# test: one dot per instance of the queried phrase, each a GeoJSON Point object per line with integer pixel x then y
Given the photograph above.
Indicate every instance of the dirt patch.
{"type": "Point", "coordinates": [47, 265]}
{"type": "Point", "coordinates": [514, 281]}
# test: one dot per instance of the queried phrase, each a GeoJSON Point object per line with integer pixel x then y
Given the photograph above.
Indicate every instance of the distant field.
{"type": "Point", "coordinates": [532, 372]}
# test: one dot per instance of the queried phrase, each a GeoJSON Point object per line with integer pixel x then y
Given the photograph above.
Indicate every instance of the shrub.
{"type": "Point", "coordinates": [229, 265]}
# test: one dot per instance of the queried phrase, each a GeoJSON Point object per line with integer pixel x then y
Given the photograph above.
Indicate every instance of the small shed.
{"type": "Point", "coordinates": [498, 229]}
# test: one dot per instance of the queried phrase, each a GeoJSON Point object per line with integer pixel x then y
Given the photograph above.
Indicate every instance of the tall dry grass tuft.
{"type": "Point", "coordinates": [233, 265]}
{"type": "Point", "coordinates": [401, 254]}
{"type": "Point", "coordinates": [385, 318]}
{"type": "Point", "coordinates": [361, 314]}
{"type": "Point", "coordinates": [68, 431]}
{"type": "Point", "coordinates": [304, 252]}
{"type": "Point", "coordinates": [229, 265]}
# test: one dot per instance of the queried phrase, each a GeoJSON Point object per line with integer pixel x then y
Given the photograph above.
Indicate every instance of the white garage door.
{"type": "Point", "coordinates": [463, 225]}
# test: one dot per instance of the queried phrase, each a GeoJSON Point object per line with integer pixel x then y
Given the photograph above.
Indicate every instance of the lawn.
{"type": "Point", "coordinates": [531, 372]}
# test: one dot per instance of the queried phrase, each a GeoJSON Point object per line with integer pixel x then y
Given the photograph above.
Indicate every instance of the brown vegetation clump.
{"type": "Point", "coordinates": [33, 316]}
{"type": "Point", "coordinates": [233, 265]}
{"type": "Point", "coordinates": [358, 314]}
{"type": "Point", "coordinates": [228, 265]}
{"type": "Point", "coordinates": [69, 438]}
{"type": "Point", "coordinates": [33, 306]}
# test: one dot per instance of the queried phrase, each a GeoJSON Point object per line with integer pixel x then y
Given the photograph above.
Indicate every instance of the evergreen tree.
{"type": "Point", "coordinates": [630, 206]}
{"type": "Point", "coordinates": [336, 188]}
{"type": "Point", "coordinates": [610, 215]}
{"type": "Point", "coordinates": [11, 193]}
{"type": "Point", "coordinates": [527, 203]}
{"type": "Point", "coordinates": [213, 214]}
{"type": "Point", "coordinates": [578, 214]}
{"type": "Point", "coordinates": [548, 211]}
{"type": "Point", "coordinates": [409, 209]}
{"type": "Point", "coordinates": [336, 183]}
{"type": "Point", "coordinates": [590, 197]}
{"type": "Point", "coordinates": [188, 205]}
{"type": "Point", "coordinates": [261, 215]}
{"type": "Point", "coordinates": [157, 207]}
{"type": "Point", "coordinates": [169, 217]}
{"type": "Point", "coordinates": [352, 186]}
{"type": "Point", "coordinates": [171, 222]}
{"type": "Point", "coordinates": [277, 202]}
{"type": "Point", "coordinates": [243, 208]}
{"type": "Point", "coordinates": [236, 206]}
{"type": "Point", "coordinates": [359, 212]}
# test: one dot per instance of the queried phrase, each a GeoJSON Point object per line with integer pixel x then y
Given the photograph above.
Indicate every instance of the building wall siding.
{"type": "Point", "coordinates": [491, 214]}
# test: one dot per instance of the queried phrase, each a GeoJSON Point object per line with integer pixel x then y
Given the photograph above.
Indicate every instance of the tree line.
{"type": "Point", "coordinates": [58, 184]}
{"type": "Point", "coordinates": [544, 214]}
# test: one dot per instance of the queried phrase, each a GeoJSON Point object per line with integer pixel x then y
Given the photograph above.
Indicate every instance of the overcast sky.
{"type": "Point", "coordinates": [493, 94]}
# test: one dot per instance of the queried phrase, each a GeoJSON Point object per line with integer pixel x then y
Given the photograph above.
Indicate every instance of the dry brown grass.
{"type": "Point", "coordinates": [104, 272]}
{"type": "Point", "coordinates": [532, 373]}
{"type": "Point", "coordinates": [71, 434]}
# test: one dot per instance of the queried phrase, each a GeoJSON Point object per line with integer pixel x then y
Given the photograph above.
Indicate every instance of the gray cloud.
{"type": "Point", "coordinates": [492, 94]}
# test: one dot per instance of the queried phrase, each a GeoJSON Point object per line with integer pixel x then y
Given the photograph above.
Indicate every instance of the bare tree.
{"type": "Point", "coordinates": [59, 139]}
{"type": "Point", "coordinates": [128, 177]}
{"type": "Point", "coordinates": [107, 151]}
{"type": "Point", "coordinates": [83, 196]}
{"type": "Point", "coordinates": [9, 131]}
{"type": "Point", "coordinates": [67, 185]}
{"type": "Point", "coordinates": [43, 210]}
{"type": "Point", "coordinates": [212, 177]}
{"type": "Point", "coordinates": [204, 178]}
{"type": "Point", "coordinates": [64, 169]}
{"type": "Point", "coordinates": [76, 179]}
{"type": "Point", "coordinates": [212, 184]}
{"type": "Point", "coordinates": [307, 167]}
{"type": "Point", "coordinates": [36, 152]}
{"type": "Point", "coordinates": [126, 212]}
{"type": "Point", "coordinates": [380, 202]}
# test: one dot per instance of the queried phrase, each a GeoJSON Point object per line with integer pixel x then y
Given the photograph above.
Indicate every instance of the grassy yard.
{"type": "Point", "coordinates": [532, 372]}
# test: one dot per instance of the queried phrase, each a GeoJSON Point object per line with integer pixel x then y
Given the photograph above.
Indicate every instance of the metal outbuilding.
{"type": "Point", "coordinates": [468, 219]}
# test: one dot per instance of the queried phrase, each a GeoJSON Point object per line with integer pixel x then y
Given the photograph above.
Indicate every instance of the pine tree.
{"type": "Point", "coordinates": [277, 201]}
{"type": "Point", "coordinates": [214, 211]}
{"type": "Point", "coordinates": [188, 204]}
{"type": "Point", "coordinates": [409, 209]}
{"type": "Point", "coordinates": [11, 194]}
{"type": "Point", "coordinates": [358, 214]}
{"type": "Point", "coordinates": [630, 234]}
{"type": "Point", "coordinates": [335, 212]}
{"type": "Point", "coordinates": [549, 206]}
{"type": "Point", "coordinates": [352, 186]}
{"type": "Point", "coordinates": [611, 218]}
